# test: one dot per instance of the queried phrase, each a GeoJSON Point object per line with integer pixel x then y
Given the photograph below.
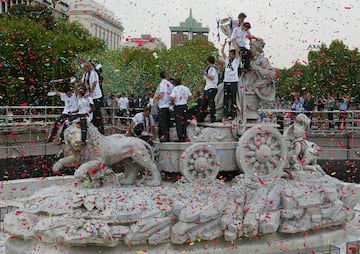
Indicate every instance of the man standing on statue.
{"type": "Point", "coordinates": [90, 80]}
{"type": "Point", "coordinates": [231, 79]}
{"type": "Point", "coordinates": [210, 90]}
{"type": "Point", "coordinates": [163, 96]}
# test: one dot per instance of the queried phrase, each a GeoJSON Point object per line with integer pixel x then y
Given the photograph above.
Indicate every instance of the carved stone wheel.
{"type": "Point", "coordinates": [199, 163]}
{"type": "Point", "coordinates": [261, 153]}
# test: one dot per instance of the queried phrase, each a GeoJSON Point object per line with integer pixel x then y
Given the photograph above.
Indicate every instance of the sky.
{"type": "Point", "coordinates": [288, 27]}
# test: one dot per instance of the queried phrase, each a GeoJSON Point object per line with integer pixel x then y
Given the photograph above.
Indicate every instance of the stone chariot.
{"type": "Point", "coordinates": [258, 150]}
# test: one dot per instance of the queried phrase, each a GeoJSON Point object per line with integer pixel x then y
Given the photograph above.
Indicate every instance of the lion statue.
{"type": "Point", "coordinates": [303, 153]}
{"type": "Point", "coordinates": [101, 151]}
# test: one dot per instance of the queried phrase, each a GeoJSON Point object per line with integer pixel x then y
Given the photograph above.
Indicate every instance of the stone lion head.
{"type": "Point", "coordinates": [72, 136]}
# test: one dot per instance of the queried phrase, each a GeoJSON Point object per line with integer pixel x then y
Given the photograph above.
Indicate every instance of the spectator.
{"type": "Point", "coordinates": [320, 103]}
{"type": "Point", "coordinates": [123, 103]}
{"type": "Point", "coordinates": [343, 106]}
{"type": "Point", "coordinates": [142, 126]}
{"type": "Point", "coordinates": [330, 104]}
{"type": "Point", "coordinates": [179, 98]}
{"type": "Point", "coordinates": [164, 90]}
{"type": "Point", "coordinates": [309, 106]}
{"type": "Point", "coordinates": [132, 102]}
{"type": "Point", "coordinates": [154, 107]}
{"type": "Point", "coordinates": [297, 106]}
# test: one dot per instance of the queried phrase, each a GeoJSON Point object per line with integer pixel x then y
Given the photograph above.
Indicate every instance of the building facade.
{"type": "Point", "coordinates": [98, 20]}
{"type": "Point", "coordinates": [93, 16]}
{"type": "Point", "coordinates": [145, 41]}
{"type": "Point", "coordinates": [188, 30]}
{"type": "Point", "coordinates": [60, 8]}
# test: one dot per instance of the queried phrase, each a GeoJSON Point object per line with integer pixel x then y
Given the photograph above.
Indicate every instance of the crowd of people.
{"type": "Point", "coordinates": [174, 100]}
{"type": "Point", "coordinates": [82, 101]}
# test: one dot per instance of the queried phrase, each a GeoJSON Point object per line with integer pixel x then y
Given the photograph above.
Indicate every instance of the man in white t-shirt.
{"type": "Point", "coordinates": [210, 90]}
{"type": "Point", "coordinates": [164, 90]}
{"type": "Point", "coordinates": [123, 103]}
{"type": "Point", "coordinates": [90, 80]}
{"type": "Point", "coordinates": [142, 126]}
{"type": "Point", "coordinates": [70, 110]}
{"type": "Point", "coordinates": [231, 79]}
{"type": "Point", "coordinates": [179, 98]}
{"type": "Point", "coordinates": [242, 38]}
{"type": "Point", "coordinates": [86, 109]}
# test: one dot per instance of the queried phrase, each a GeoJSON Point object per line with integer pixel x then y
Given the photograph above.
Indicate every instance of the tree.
{"type": "Point", "coordinates": [31, 55]}
{"type": "Point", "coordinates": [331, 70]}
{"type": "Point", "coordinates": [137, 70]}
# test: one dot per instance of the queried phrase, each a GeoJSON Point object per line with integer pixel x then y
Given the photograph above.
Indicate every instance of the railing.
{"type": "Point", "coordinates": [44, 115]}
{"type": "Point", "coordinates": [342, 120]}
{"type": "Point", "coordinates": [15, 116]}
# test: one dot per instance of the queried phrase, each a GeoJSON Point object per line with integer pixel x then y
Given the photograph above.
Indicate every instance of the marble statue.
{"type": "Point", "coordinates": [255, 203]}
{"type": "Point", "coordinates": [303, 153]}
{"type": "Point", "coordinates": [255, 86]}
{"type": "Point", "coordinates": [100, 152]}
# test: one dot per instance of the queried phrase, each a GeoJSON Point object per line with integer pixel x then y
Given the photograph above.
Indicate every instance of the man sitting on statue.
{"type": "Point", "coordinates": [142, 126]}
{"type": "Point", "coordinates": [242, 38]}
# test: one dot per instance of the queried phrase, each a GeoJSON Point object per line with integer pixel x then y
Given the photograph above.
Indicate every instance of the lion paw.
{"type": "Point", "coordinates": [153, 183]}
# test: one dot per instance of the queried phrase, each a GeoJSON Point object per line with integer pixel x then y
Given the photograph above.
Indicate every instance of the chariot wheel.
{"type": "Point", "coordinates": [199, 163]}
{"type": "Point", "coordinates": [261, 153]}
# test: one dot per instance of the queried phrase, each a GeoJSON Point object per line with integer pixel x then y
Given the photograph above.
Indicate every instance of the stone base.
{"type": "Point", "coordinates": [274, 243]}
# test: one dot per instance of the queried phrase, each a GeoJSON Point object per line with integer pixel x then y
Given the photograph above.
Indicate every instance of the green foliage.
{"type": "Point", "coordinates": [137, 70]}
{"type": "Point", "coordinates": [31, 55]}
{"type": "Point", "coordinates": [38, 13]}
{"type": "Point", "coordinates": [331, 70]}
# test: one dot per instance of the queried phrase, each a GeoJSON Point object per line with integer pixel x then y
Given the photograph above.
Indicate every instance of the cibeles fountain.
{"type": "Point", "coordinates": [282, 200]}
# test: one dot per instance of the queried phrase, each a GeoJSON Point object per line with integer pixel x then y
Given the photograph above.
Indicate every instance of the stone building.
{"type": "Point", "coordinates": [188, 30]}
{"type": "Point", "coordinates": [60, 8]}
{"type": "Point", "coordinates": [99, 20]}
{"type": "Point", "coordinates": [145, 41]}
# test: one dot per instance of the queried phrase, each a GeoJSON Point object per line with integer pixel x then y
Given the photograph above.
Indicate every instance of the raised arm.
{"type": "Point", "coordinates": [237, 54]}
{"type": "Point", "coordinates": [223, 50]}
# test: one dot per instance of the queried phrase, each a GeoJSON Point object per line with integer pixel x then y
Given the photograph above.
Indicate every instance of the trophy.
{"type": "Point", "coordinates": [226, 25]}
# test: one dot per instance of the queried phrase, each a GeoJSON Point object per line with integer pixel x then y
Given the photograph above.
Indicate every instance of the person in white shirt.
{"type": "Point", "coordinates": [242, 38]}
{"type": "Point", "coordinates": [90, 80]}
{"type": "Point", "coordinates": [231, 79]}
{"type": "Point", "coordinates": [123, 103]}
{"type": "Point", "coordinates": [69, 111]}
{"type": "Point", "coordinates": [179, 98]}
{"type": "Point", "coordinates": [86, 109]}
{"type": "Point", "coordinates": [210, 90]}
{"type": "Point", "coordinates": [241, 19]}
{"type": "Point", "coordinates": [142, 126]}
{"type": "Point", "coordinates": [164, 90]}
